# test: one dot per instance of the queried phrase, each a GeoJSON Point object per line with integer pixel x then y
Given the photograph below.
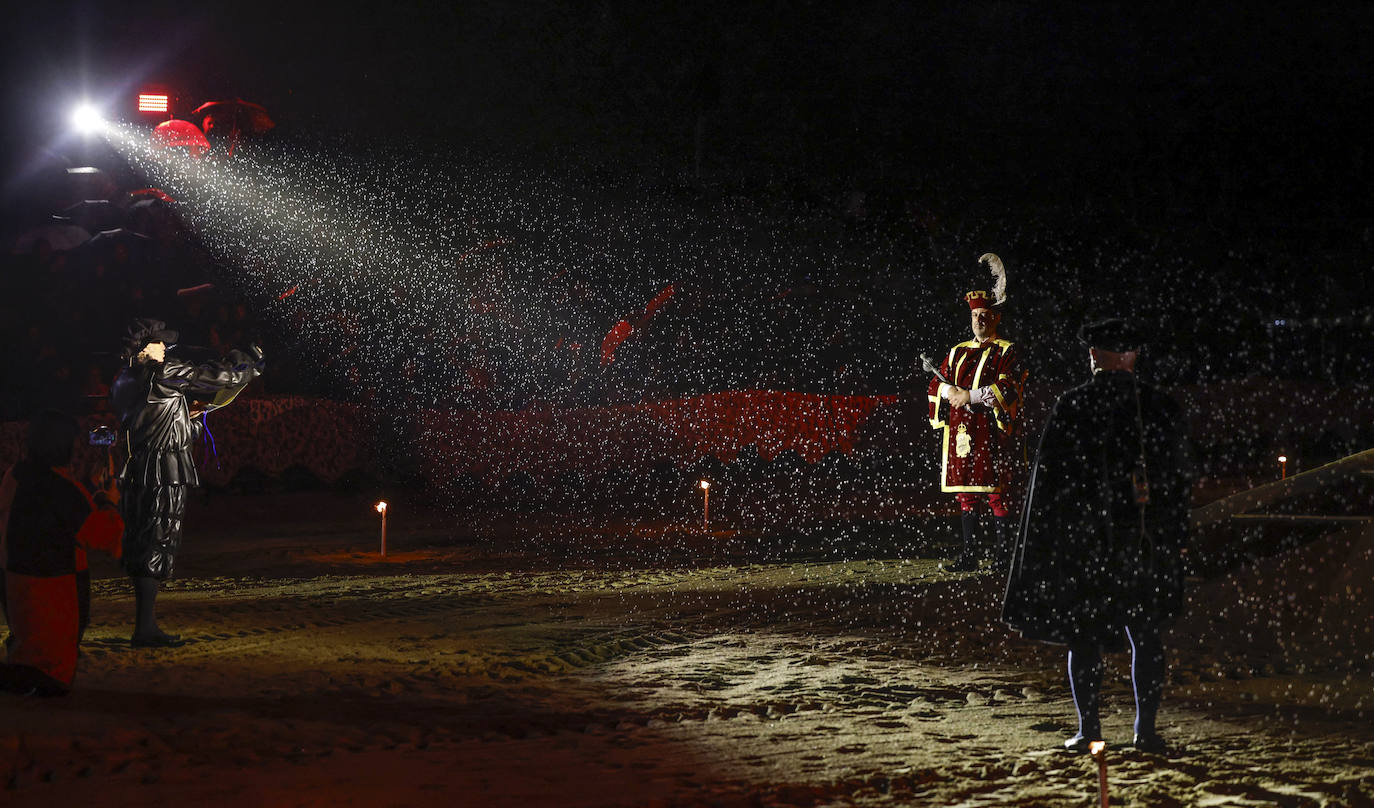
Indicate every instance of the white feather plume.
{"type": "Point", "coordinates": [999, 276]}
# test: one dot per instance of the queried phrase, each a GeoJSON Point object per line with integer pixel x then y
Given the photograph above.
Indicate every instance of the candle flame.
{"type": "Point", "coordinates": [381, 507]}
{"type": "Point", "coordinates": [705, 484]}
{"type": "Point", "coordinates": [1283, 458]}
{"type": "Point", "coordinates": [1097, 747]}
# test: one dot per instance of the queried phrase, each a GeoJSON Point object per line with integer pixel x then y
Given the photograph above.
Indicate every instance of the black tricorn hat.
{"type": "Point", "coordinates": [1113, 334]}
{"type": "Point", "coordinates": [143, 331]}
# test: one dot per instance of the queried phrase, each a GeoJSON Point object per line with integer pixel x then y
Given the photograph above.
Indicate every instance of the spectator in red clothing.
{"type": "Point", "coordinates": [47, 522]}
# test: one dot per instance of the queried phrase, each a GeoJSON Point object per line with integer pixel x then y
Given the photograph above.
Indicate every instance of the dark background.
{"type": "Point", "coordinates": [1234, 110]}
{"type": "Point", "coordinates": [1203, 167]}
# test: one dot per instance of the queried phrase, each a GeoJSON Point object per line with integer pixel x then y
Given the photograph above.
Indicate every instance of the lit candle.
{"type": "Point", "coordinates": [381, 508]}
{"type": "Point", "coordinates": [1098, 749]}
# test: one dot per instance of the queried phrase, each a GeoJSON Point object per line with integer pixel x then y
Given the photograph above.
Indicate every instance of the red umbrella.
{"type": "Point", "coordinates": [175, 132]}
{"type": "Point", "coordinates": [192, 291]}
{"type": "Point", "coordinates": [154, 193]}
{"type": "Point", "coordinates": [656, 304]}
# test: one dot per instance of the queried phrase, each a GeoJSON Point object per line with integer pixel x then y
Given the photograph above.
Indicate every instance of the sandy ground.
{"type": "Point", "coordinates": [651, 665]}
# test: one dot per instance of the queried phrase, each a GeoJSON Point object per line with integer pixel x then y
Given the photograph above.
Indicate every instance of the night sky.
{"type": "Point", "coordinates": [1257, 110]}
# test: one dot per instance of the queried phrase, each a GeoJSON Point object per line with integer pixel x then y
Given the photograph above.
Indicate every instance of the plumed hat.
{"type": "Point", "coordinates": [143, 331]}
{"type": "Point", "coordinates": [1113, 334]}
{"type": "Point", "coordinates": [983, 299]}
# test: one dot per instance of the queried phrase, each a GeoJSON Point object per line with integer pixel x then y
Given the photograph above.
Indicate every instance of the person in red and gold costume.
{"type": "Point", "coordinates": [975, 397]}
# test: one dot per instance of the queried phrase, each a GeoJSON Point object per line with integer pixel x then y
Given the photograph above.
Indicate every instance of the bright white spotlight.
{"type": "Point", "coordinates": [86, 119]}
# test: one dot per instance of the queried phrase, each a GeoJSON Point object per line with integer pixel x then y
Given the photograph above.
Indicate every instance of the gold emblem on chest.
{"type": "Point", "coordinates": [963, 442]}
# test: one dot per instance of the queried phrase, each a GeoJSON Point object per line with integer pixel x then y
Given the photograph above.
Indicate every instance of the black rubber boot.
{"type": "Point", "coordinates": [147, 634]}
{"type": "Point", "coordinates": [1147, 679]}
{"type": "Point", "coordinates": [1004, 546]}
{"type": "Point", "coordinates": [968, 557]}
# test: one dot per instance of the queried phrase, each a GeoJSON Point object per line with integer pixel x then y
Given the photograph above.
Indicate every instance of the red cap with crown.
{"type": "Point", "coordinates": [979, 299]}
{"type": "Point", "coordinates": [982, 299]}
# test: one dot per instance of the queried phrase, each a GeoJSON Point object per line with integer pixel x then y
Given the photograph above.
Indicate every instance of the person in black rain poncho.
{"type": "Point", "coordinates": [150, 399]}
{"type": "Point", "coordinates": [1099, 552]}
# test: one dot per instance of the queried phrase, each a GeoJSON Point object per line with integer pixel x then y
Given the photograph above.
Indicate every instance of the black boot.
{"type": "Point", "coordinates": [968, 557]}
{"type": "Point", "coordinates": [1004, 547]}
{"type": "Point", "coordinates": [147, 634]}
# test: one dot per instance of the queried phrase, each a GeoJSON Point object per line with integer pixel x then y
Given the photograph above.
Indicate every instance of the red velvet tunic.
{"type": "Point", "coordinates": [977, 447]}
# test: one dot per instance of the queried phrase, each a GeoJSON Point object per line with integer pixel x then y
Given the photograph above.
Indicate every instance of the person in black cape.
{"type": "Point", "coordinates": [1099, 556]}
{"type": "Point", "coordinates": [150, 398]}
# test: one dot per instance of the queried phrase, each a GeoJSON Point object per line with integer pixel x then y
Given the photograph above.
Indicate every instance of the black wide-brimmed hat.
{"type": "Point", "coordinates": [1113, 334]}
{"type": "Point", "coordinates": [143, 331]}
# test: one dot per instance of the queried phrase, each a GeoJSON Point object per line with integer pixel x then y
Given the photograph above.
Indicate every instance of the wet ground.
{"type": "Point", "coordinates": [570, 662]}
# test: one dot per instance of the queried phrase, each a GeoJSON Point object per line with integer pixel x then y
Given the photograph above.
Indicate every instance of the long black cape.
{"type": "Point", "coordinates": [1086, 564]}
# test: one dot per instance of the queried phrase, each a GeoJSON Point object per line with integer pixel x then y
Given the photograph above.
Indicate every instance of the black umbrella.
{"type": "Point", "coordinates": [92, 214]}
{"type": "Point", "coordinates": [87, 182]}
{"type": "Point", "coordinates": [151, 217]}
{"type": "Point", "coordinates": [233, 119]}
{"type": "Point", "coordinates": [243, 116]}
{"type": "Point", "coordinates": [60, 236]}
{"type": "Point", "coordinates": [104, 242]}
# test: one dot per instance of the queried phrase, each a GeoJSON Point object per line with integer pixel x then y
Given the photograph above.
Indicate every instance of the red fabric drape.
{"type": "Point", "coordinates": [595, 440]}
{"type": "Point", "coordinates": [658, 301]}
{"type": "Point", "coordinates": [329, 438]}
{"type": "Point", "coordinates": [614, 337]}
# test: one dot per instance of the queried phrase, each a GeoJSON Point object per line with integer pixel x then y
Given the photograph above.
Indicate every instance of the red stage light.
{"type": "Point", "coordinates": [152, 102]}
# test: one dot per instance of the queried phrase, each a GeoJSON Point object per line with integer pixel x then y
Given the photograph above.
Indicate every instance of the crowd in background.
{"type": "Point", "coordinates": [1206, 186]}
{"type": "Point", "coordinates": [864, 293]}
{"type": "Point", "coordinates": [63, 311]}
{"type": "Point", "coordinates": [63, 308]}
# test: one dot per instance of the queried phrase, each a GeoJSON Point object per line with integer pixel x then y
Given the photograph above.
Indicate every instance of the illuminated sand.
{"type": "Point", "coordinates": [486, 674]}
